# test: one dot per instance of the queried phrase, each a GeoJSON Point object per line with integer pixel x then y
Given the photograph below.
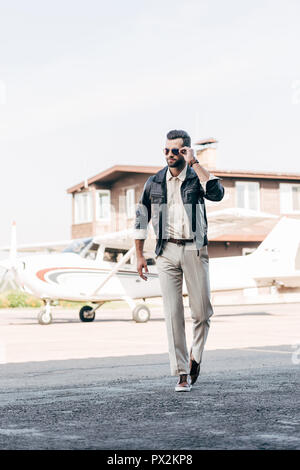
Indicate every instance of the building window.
{"type": "Point", "coordinates": [247, 195]}
{"type": "Point", "coordinates": [289, 197]}
{"type": "Point", "coordinates": [130, 203]}
{"type": "Point", "coordinates": [83, 207]}
{"type": "Point", "coordinates": [103, 204]}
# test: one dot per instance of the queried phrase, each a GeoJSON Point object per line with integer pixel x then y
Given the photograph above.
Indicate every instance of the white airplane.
{"type": "Point", "coordinates": [103, 268]}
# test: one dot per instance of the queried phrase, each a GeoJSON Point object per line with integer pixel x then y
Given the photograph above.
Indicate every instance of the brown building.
{"type": "Point", "coordinates": [106, 201]}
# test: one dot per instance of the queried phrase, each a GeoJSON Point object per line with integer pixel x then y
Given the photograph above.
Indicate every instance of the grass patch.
{"type": "Point", "coordinates": [19, 299]}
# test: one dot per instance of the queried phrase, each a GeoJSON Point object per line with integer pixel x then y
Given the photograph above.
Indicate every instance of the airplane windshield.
{"type": "Point", "coordinates": [77, 245]}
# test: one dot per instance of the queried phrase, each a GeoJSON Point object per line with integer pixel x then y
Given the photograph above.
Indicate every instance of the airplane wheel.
{"type": "Point", "coordinates": [85, 314]}
{"type": "Point", "coordinates": [141, 314]}
{"type": "Point", "coordinates": [44, 318]}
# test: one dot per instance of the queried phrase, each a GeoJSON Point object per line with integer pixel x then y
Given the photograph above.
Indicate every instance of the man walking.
{"type": "Point", "coordinates": [174, 199]}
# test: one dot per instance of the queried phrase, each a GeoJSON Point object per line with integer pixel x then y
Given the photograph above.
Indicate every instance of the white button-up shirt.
{"type": "Point", "coordinates": [177, 223]}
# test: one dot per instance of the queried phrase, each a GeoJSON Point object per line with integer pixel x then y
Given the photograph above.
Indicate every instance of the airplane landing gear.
{"type": "Point", "coordinates": [45, 316]}
{"type": "Point", "coordinates": [141, 313]}
{"type": "Point", "coordinates": [87, 313]}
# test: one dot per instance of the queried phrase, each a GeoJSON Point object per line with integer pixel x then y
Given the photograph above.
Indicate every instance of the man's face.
{"type": "Point", "coordinates": [174, 160]}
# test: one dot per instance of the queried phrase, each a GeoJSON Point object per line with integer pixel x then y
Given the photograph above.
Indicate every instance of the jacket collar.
{"type": "Point", "coordinates": [181, 175]}
{"type": "Point", "coordinates": [160, 176]}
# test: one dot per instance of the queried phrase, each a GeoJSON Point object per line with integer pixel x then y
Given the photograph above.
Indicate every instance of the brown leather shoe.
{"type": "Point", "coordinates": [183, 384]}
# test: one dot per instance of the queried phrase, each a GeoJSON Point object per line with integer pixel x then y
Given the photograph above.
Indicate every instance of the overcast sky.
{"type": "Point", "coordinates": [88, 84]}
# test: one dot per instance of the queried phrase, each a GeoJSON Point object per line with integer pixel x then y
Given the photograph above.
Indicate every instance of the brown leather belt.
{"type": "Point", "coordinates": [180, 241]}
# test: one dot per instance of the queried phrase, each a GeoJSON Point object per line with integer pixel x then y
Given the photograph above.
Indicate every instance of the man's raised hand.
{"type": "Point", "coordinates": [187, 153]}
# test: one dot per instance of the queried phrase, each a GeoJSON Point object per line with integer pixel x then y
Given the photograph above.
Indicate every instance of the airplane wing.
{"type": "Point", "coordinates": [43, 246]}
{"type": "Point", "coordinates": [120, 239]}
{"type": "Point", "coordinates": [233, 219]}
{"type": "Point", "coordinates": [125, 238]}
{"type": "Point", "coordinates": [219, 223]}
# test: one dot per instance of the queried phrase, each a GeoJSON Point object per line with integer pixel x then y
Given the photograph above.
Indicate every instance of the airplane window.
{"type": "Point", "coordinates": [76, 246]}
{"type": "Point", "coordinates": [114, 255]}
{"type": "Point", "coordinates": [90, 251]}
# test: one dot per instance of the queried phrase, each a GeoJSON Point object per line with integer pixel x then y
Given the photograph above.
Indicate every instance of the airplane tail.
{"type": "Point", "coordinates": [282, 244]}
{"type": "Point", "coordinates": [10, 264]}
{"type": "Point", "coordinates": [13, 245]}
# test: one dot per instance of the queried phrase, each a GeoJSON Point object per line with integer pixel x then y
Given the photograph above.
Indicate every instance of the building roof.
{"type": "Point", "coordinates": [115, 172]}
{"type": "Point", "coordinates": [209, 140]}
{"type": "Point", "coordinates": [256, 174]}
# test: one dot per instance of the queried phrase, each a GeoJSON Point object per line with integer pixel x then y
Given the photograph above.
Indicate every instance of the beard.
{"type": "Point", "coordinates": [176, 163]}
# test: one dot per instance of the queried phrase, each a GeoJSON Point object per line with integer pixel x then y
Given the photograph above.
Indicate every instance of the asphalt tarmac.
{"type": "Point", "coordinates": [106, 385]}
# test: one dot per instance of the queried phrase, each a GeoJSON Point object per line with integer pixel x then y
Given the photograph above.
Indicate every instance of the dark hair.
{"type": "Point", "coordinates": [177, 134]}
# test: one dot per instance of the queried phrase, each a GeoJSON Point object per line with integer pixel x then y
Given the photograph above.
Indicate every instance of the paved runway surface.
{"type": "Point", "coordinates": [106, 385]}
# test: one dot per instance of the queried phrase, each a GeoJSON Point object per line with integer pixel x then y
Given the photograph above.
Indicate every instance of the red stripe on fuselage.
{"type": "Point", "coordinates": [41, 274]}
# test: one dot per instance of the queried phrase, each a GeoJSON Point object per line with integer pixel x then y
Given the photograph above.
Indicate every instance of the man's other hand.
{"type": "Point", "coordinates": [142, 264]}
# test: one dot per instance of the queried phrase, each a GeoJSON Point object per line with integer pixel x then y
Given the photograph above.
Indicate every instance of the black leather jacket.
{"type": "Point", "coordinates": [153, 204]}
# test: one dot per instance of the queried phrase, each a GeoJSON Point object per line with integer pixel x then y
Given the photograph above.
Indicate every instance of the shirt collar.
{"type": "Point", "coordinates": [181, 175]}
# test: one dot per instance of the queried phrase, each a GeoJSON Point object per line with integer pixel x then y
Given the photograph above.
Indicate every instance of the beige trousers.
{"type": "Point", "coordinates": [175, 261]}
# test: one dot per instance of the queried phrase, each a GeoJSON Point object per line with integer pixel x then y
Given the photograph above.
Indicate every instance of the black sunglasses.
{"type": "Point", "coordinates": [174, 151]}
